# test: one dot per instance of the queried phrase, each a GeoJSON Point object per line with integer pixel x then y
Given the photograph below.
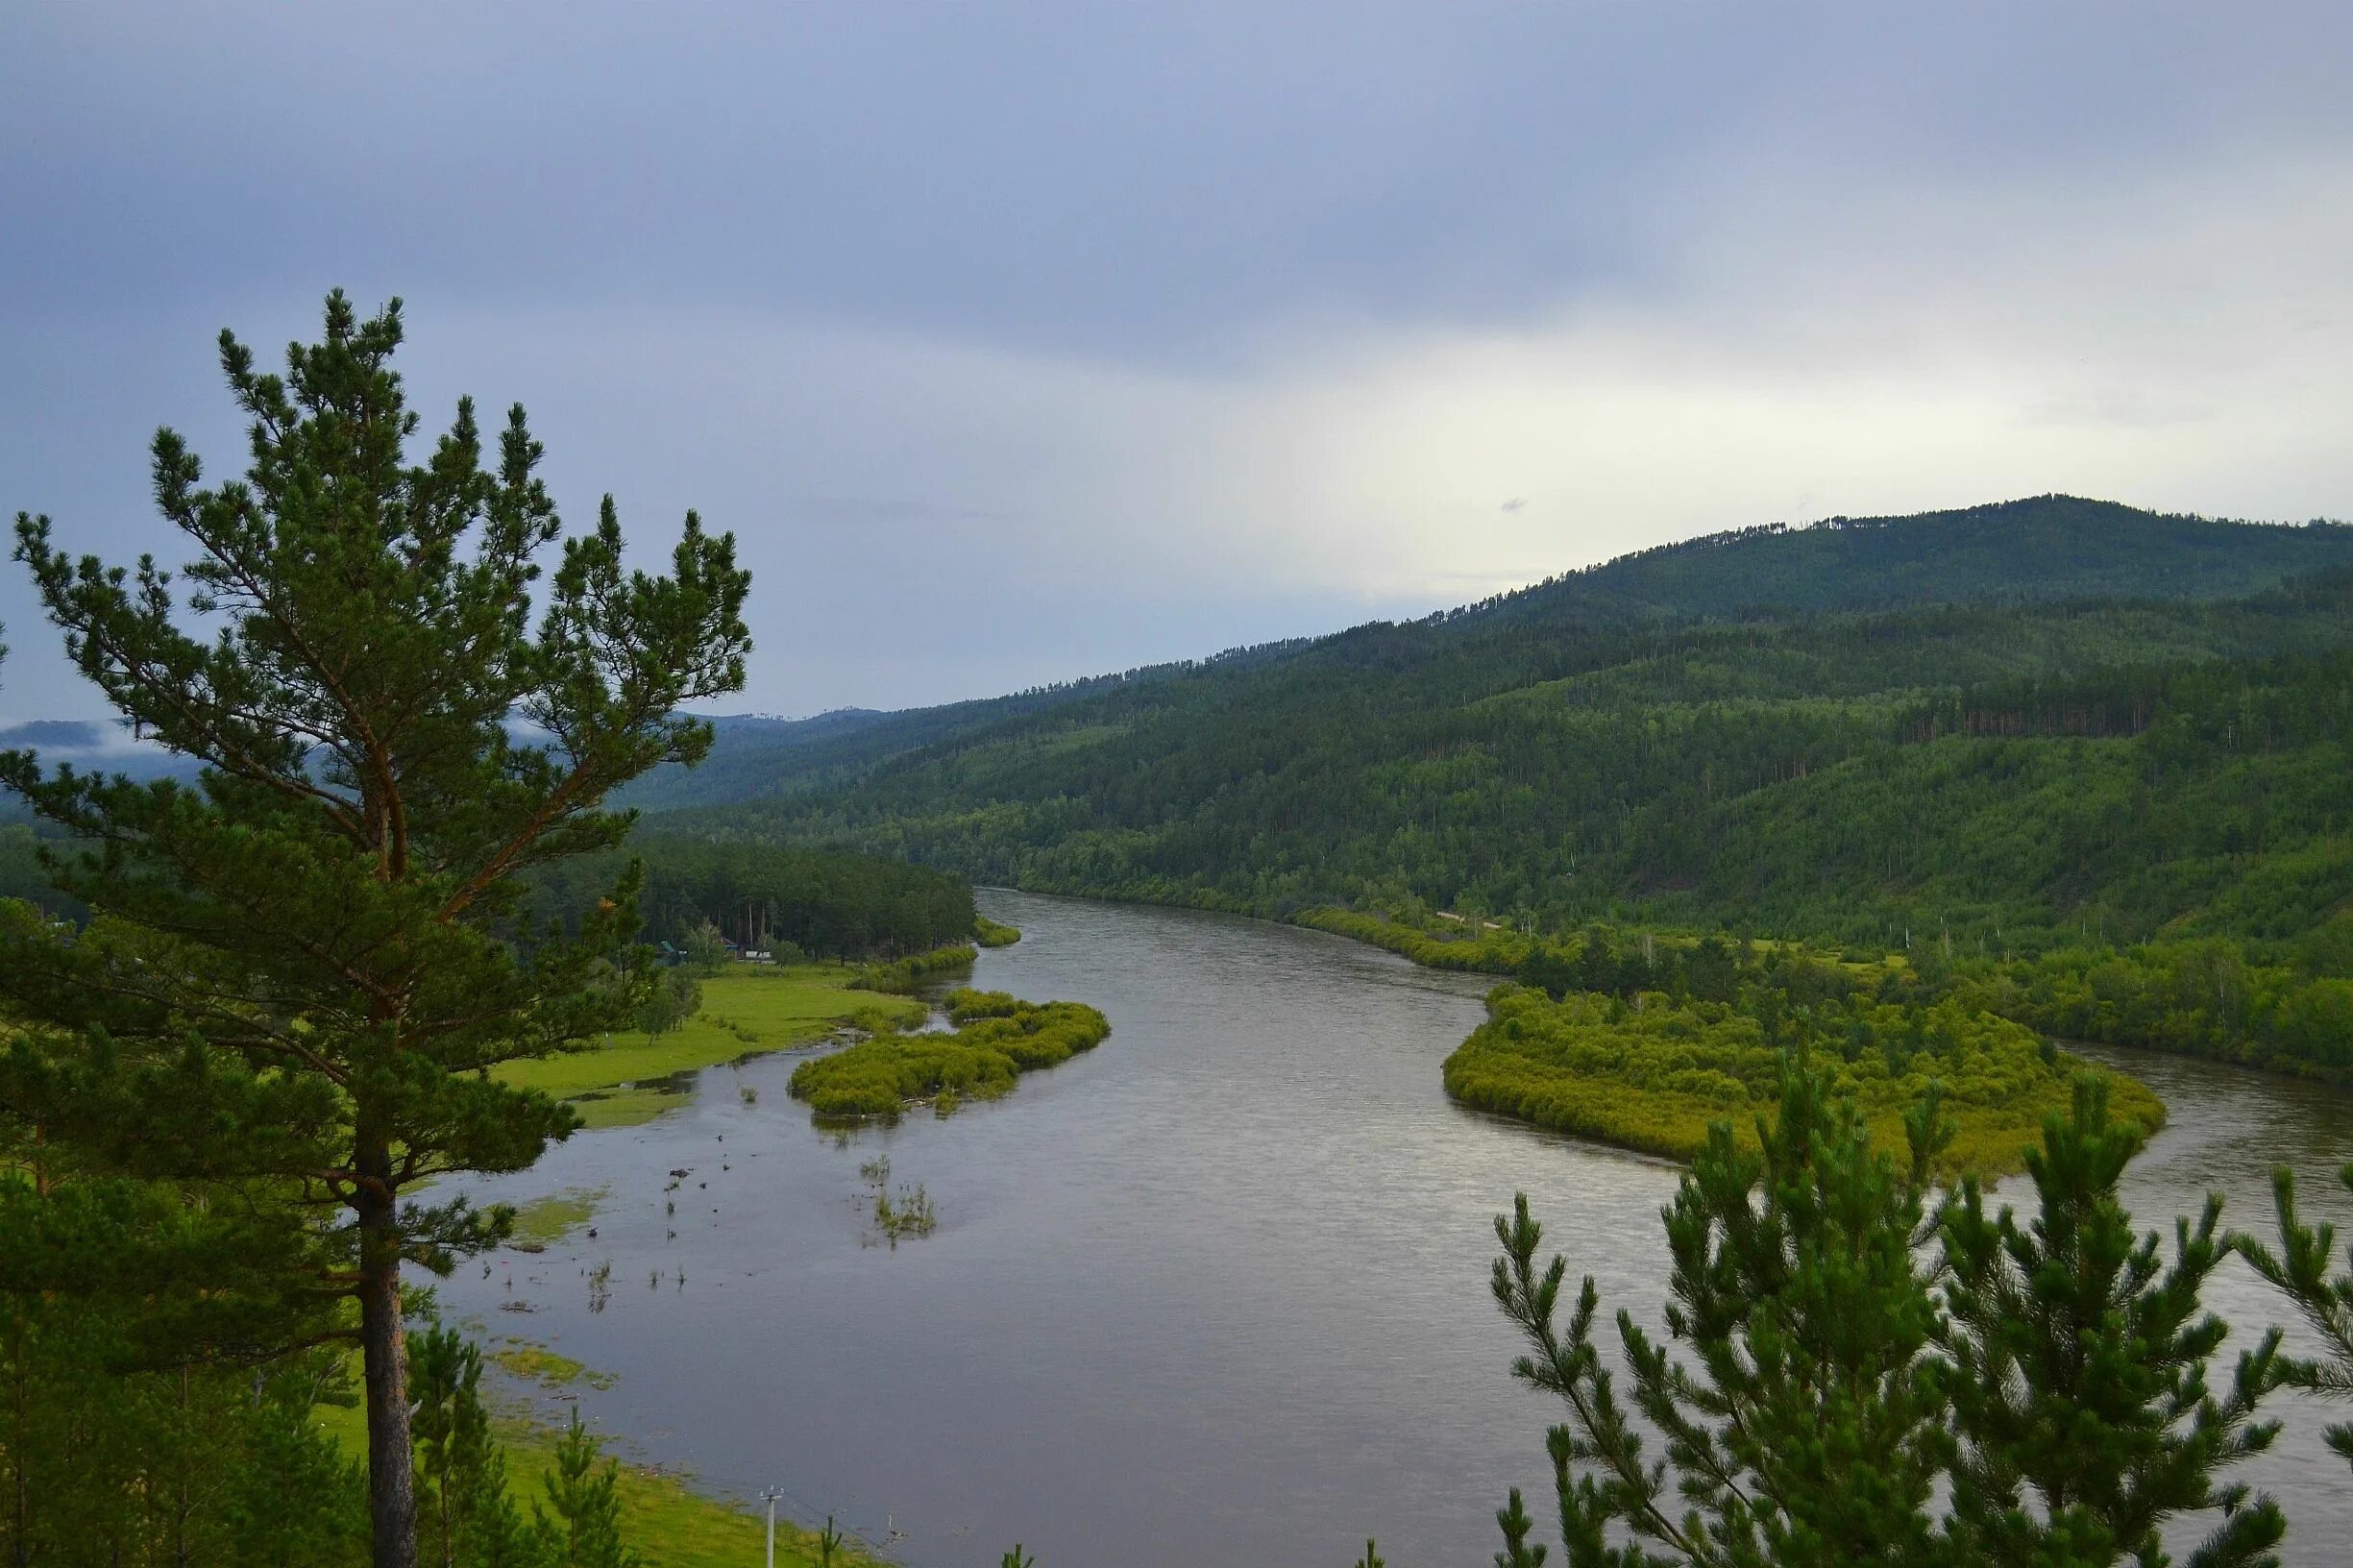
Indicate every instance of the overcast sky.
{"type": "Point", "coordinates": [1021, 342]}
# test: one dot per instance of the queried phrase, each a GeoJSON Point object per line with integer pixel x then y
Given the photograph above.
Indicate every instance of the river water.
{"type": "Point", "coordinates": [1215, 1292]}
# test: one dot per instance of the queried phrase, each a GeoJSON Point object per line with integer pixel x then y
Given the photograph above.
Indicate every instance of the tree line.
{"type": "Point", "coordinates": [825, 904]}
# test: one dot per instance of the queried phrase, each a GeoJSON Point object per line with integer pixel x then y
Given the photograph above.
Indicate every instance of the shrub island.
{"type": "Point", "coordinates": [907, 975]}
{"type": "Point", "coordinates": [1649, 1072]}
{"type": "Point", "coordinates": [997, 1037]}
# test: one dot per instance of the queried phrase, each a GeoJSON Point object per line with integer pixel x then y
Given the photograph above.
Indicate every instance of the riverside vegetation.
{"type": "Point", "coordinates": [1654, 1075]}
{"type": "Point", "coordinates": [996, 1039]}
{"type": "Point", "coordinates": [1646, 1043]}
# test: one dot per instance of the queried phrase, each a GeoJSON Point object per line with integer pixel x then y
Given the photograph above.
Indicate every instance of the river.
{"type": "Point", "coordinates": [1215, 1292]}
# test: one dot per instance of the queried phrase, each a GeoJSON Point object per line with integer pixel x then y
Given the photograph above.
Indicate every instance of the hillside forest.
{"type": "Point", "coordinates": [2087, 763]}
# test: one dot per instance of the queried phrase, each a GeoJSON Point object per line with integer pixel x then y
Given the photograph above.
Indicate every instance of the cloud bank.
{"type": "Point", "coordinates": [1021, 342]}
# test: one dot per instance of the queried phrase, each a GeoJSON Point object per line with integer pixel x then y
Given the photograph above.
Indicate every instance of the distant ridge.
{"type": "Point", "coordinates": [2013, 551]}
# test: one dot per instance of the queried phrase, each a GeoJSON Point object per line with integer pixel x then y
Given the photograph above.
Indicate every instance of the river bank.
{"type": "Point", "coordinates": [1216, 1293]}
{"type": "Point", "coordinates": [665, 1517]}
{"type": "Point", "coordinates": [669, 1517]}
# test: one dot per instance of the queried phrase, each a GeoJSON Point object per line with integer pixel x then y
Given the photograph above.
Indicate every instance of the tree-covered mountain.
{"type": "Point", "coordinates": [2027, 762]}
{"type": "Point", "coordinates": [2045, 549]}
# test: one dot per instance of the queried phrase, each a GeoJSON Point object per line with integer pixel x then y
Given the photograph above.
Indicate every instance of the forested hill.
{"type": "Point", "coordinates": [2020, 552]}
{"type": "Point", "coordinates": [755, 755]}
{"type": "Point", "coordinates": [2019, 772]}
{"type": "Point", "coordinates": [2046, 547]}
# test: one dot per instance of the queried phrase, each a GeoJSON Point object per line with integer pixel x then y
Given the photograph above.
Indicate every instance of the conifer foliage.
{"type": "Point", "coordinates": [2300, 1271]}
{"type": "Point", "coordinates": [299, 968]}
{"type": "Point", "coordinates": [2078, 1368]}
{"type": "Point", "coordinates": [1853, 1373]}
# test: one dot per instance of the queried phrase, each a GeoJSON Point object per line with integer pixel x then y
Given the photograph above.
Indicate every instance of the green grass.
{"type": "Point", "coordinates": [991, 932]}
{"type": "Point", "coordinates": [632, 1079]}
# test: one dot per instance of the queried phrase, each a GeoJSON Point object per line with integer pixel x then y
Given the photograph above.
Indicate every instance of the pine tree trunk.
{"type": "Point", "coordinates": [392, 1502]}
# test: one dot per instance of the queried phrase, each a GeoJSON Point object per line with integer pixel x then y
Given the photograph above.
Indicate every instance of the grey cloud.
{"type": "Point", "coordinates": [1112, 178]}
{"type": "Point", "coordinates": [1022, 341]}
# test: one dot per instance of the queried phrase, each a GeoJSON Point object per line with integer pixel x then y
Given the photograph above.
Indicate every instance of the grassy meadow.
{"type": "Point", "coordinates": [633, 1078]}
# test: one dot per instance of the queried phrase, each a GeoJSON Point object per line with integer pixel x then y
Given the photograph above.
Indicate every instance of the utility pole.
{"type": "Point", "coordinates": [769, 1497]}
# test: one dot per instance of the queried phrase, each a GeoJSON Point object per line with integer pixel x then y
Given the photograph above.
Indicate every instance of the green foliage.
{"type": "Point", "coordinates": [910, 1215]}
{"type": "Point", "coordinates": [997, 1037]}
{"type": "Point", "coordinates": [466, 1513]}
{"type": "Point", "coordinates": [1017, 1558]}
{"type": "Point", "coordinates": [703, 947]}
{"type": "Point", "coordinates": [2300, 1271]}
{"type": "Point", "coordinates": [764, 896]}
{"type": "Point", "coordinates": [110, 1457]}
{"type": "Point", "coordinates": [908, 975]}
{"type": "Point", "coordinates": [299, 968]}
{"type": "Point", "coordinates": [1853, 778]}
{"type": "Point", "coordinates": [675, 998]}
{"type": "Point", "coordinates": [2077, 1367]}
{"type": "Point", "coordinates": [22, 874]}
{"type": "Point", "coordinates": [990, 933]}
{"type": "Point", "coordinates": [1807, 1429]}
{"type": "Point", "coordinates": [583, 1504]}
{"type": "Point", "coordinates": [1832, 1389]}
{"type": "Point", "coordinates": [1513, 1521]}
{"type": "Point", "coordinates": [2205, 998]}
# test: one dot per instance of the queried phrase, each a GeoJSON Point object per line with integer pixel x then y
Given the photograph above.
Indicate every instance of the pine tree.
{"type": "Point", "coordinates": [468, 1516]}
{"type": "Point", "coordinates": [1513, 1521]}
{"type": "Point", "coordinates": [2078, 1368]}
{"type": "Point", "coordinates": [2049, 1377]}
{"type": "Point", "coordinates": [301, 969]}
{"type": "Point", "coordinates": [2301, 1270]}
{"type": "Point", "coordinates": [1808, 1428]}
{"type": "Point", "coordinates": [586, 1504]}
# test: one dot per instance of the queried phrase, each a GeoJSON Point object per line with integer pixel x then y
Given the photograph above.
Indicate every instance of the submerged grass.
{"type": "Point", "coordinates": [537, 1364]}
{"type": "Point", "coordinates": [1654, 1077]}
{"type": "Point", "coordinates": [995, 1039]}
{"type": "Point", "coordinates": [543, 1221]}
{"type": "Point", "coordinates": [634, 1077]}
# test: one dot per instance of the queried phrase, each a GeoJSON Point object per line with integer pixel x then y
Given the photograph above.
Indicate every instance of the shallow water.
{"type": "Point", "coordinates": [1215, 1293]}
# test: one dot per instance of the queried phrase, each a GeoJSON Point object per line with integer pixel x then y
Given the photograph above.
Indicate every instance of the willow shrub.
{"type": "Point", "coordinates": [908, 974]}
{"type": "Point", "coordinates": [1652, 1074]}
{"type": "Point", "coordinates": [1482, 951]}
{"type": "Point", "coordinates": [997, 1037]}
